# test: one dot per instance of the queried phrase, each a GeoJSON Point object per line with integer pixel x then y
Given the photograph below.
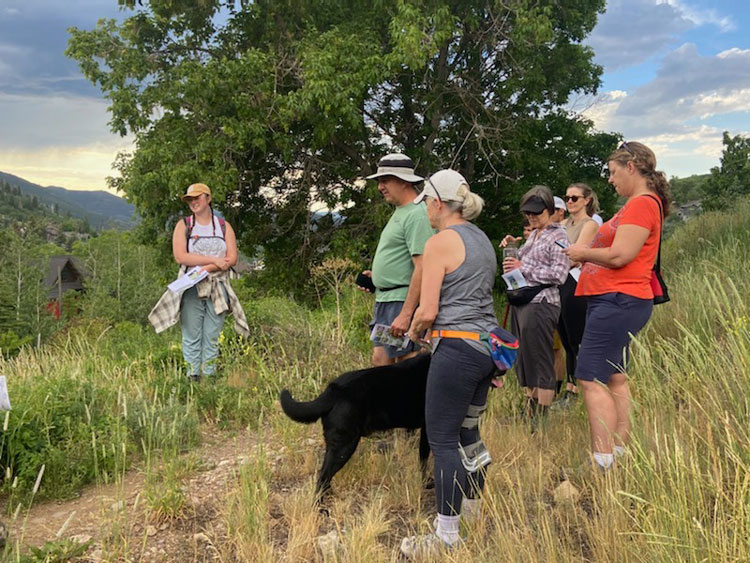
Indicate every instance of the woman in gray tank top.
{"type": "Point", "coordinates": [459, 266]}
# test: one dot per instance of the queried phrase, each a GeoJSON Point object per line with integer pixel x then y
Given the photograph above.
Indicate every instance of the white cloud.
{"type": "Point", "coordinates": [689, 86]}
{"type": "Point", "coordinates": [675, 112]}
{"type": "Point", "coordinates": [701, 16]}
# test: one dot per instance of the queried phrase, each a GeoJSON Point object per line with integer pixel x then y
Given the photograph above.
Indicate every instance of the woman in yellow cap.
{"type": "Point", "coordinates": [206, 240]}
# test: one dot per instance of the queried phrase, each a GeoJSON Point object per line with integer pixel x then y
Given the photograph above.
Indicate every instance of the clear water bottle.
{"type": "Point", "coordinates": [510, 250]}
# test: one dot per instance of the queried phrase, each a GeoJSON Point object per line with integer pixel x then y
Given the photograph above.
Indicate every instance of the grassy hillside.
{"type": "Point", "coordinates": [102, 399]}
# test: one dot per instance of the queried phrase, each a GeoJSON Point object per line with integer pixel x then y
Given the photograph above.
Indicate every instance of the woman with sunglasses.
{"type": "Point", "coordinates": [582, 203]}
{"type": "Point", "coordinates": [544, 266]}
{"type": "Point", "coordinates": [616, 277]}
{"type": "Point", "coordinates": [455, 308]}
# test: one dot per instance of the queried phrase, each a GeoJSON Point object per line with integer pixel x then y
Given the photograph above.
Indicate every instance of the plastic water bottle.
{"type": "Point", "coordinates": [510, 250]}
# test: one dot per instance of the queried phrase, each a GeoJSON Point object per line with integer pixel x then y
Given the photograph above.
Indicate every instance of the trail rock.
{"type": "Point", "coordinates": [200, 537]}
{"type": "Point", "coordinates": [151, 531]}
{"type": "Point", "coordinates": [566, 493]}
{"type": "Point", "coordinates": [328, 544]}
{"type": "Point", "coordinates": [81, 538]}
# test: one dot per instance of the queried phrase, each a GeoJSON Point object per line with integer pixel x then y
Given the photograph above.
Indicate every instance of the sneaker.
{"type": "Point", "coordinates": [426, 546]}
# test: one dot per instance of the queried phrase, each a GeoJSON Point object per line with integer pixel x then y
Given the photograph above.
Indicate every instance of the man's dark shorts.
{"type": "Point", "coordinates": [385, 313]}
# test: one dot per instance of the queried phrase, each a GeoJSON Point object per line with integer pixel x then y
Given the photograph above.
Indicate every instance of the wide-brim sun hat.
{"type": "Point", "coordinates": [398, 165]}
{"type": "Point", "coordinates": [445, 185]}
{"type": "Point", "coordinates": [195, 190]}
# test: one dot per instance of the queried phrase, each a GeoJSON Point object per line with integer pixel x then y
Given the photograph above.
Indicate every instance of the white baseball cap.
{"type": "Point", "coordinates": [444, 185]}
{"type": "Point", "coordinates": [560, 204]}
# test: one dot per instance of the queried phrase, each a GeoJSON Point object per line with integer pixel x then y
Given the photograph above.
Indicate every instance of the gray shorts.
{"type": "Point", "coordinates": [385, 313]}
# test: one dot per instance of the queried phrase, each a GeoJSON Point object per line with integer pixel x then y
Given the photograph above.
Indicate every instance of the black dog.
{"type": "Point", "coordinates": [361, 402]}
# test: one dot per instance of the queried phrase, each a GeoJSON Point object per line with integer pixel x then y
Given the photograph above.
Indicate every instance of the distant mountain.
{"type": "Point", "coordinates": [100, 208]}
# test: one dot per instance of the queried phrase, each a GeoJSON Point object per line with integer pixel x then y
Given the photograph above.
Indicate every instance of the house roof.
{"type": "Point", "coordinates": [71, 272]}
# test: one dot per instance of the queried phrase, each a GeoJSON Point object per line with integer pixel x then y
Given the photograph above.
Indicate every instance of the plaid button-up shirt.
{"type": "Point", "coordinates": [542, 261]}
{"type": "Point", "coordinates": [166, 312]}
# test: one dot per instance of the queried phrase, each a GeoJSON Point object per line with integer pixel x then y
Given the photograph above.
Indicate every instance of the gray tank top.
{"type": "Point", "coordinates": [466, 295]}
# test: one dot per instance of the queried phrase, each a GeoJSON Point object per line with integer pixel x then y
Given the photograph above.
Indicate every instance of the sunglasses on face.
{"type": "Point", "coordinates": [573, 198]}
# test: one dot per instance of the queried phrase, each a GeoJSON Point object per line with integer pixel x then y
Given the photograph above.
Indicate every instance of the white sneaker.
{"type": "Point", "coordinates": [425, 546]}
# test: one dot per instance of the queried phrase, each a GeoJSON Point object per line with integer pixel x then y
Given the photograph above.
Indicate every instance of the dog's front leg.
{"type": "Point", "coordinates": [338, 452]}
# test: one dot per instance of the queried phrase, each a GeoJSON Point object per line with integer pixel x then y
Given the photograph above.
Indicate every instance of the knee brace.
{"type": "Point", "coordinates": [472, 416]}
{"type": "Point", "coordinates": [474, 456]}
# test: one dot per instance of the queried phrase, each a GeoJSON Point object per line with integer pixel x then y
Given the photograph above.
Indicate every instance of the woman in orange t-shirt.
{"type": "Point", "coordinates": [616, 280]}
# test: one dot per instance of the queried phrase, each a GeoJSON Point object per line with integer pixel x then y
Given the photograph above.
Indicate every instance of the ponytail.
{"type": "Point", "coordinates": [472, 206]}
{"type": "Point", "coordinates": [657, 182]}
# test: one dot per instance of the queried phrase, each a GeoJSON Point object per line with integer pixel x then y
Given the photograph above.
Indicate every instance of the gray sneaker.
{"type": "Point", "coordinates": [425, 546]}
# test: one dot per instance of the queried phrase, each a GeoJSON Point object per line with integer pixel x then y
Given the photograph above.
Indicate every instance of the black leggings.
{"type": "Point", "coordinates": [571, 324]}
{"type": "Point", "coordinates": [459, 376]}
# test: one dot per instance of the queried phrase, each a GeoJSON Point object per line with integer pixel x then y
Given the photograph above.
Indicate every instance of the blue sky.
{"type": "Point", "coordinates": [676, 75]}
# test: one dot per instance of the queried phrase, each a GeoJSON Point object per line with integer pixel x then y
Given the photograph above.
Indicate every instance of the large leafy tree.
{"type": "Point", "coordinates": [732, 178]}
{"type": "Point", "coordinates": [282, 104]}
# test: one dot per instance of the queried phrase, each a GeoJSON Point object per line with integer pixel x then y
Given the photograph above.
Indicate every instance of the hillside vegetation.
{"type": "Point", "coordinates": [104, 396]}
{"type": "Point", "coordinates": [99, 209]}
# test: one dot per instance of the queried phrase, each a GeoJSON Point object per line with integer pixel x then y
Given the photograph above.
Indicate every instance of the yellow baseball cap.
{"type": "Point", "coordinates": [194, 190]}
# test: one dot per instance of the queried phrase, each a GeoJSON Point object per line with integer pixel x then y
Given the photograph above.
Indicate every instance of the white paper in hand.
{"type": "Point", "coordinates": [4, 398]}
{"type": "Point", "coordinates": [381, 336]}
{"type": "Point", "coordinates": [514, 279]}
{"type": "Point", "coordinates": [191, 277]}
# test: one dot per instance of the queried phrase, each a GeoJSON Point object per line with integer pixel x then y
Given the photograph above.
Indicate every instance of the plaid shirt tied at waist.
{"type": "Point", "coordinates": [166, 312]}
{"type": "Point", "coordinates": [542, 261]}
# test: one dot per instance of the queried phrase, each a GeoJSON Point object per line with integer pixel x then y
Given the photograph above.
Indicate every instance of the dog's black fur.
{"type": "Point", "coordinates": [361, 402]}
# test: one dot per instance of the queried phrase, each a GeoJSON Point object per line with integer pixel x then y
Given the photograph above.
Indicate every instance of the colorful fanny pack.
{"type": "Point", "coordinates": [503, 345]}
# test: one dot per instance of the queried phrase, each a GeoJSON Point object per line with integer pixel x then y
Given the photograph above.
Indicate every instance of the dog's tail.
{"type": "Point", "coordinates": [307, 411]}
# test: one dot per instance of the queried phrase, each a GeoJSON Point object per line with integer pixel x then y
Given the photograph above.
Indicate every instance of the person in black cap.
{"type": "Point", "coordinates": [397, 267]}
{"type": "Point", "coordinates": [543, 264]}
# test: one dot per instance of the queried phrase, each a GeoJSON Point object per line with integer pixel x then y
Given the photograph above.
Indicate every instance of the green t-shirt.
{"type": "Point", "coordinates": [404, 236]}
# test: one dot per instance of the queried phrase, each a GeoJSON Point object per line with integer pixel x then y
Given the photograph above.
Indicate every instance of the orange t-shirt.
{"type": "Point", "coordinates": [634, 278]}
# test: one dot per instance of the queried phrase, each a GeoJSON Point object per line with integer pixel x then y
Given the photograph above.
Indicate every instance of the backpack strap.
{"type": "Point", "coordinates": [657, 266]}
{"type": "Point", "coordinates": [188, 230]}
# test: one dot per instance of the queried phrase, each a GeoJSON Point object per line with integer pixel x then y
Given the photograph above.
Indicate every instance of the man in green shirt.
{"type": "Point", "coordinates": [397, 267]}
